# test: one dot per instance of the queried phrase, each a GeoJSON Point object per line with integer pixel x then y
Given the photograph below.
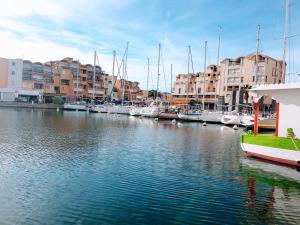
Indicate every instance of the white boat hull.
{"type": "Point", "coordinates": [75, 107]}
{"type": "Point", "coordinates": [100, 109]}
{"type": "Point", "coordinates": [149, 112]}
{"type": "Point", "coordinates": [136, 111]}
{"type": "Point", "coordinates": [230, 120]}
{"type": "Point", "coordinates": [211, 117]}
{"type": "Point", "coordinates": [190, 116]}
{"type": "Point", "coordinates": [120, 110]}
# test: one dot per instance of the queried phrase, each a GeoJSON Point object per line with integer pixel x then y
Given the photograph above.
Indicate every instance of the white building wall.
{"type": "Point", "coordinates": [289, 112]}
{"type": "Point", "coordinates": [15, 70]}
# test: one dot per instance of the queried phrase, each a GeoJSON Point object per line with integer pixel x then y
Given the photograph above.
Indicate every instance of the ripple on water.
{"type": "Point", "coordinates": [68, 168]}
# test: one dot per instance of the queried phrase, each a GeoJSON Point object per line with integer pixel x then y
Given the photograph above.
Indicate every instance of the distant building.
{"type": "Point", "coordinates": [197, 87]}
{"type": "Point", "coordinates": [23, 80]}
{"type": "Point", "coordinates": [228, 84]}
{"type": "Point", "coordinates": [240, 74]}
{"type": "Point", "coordinates": [131, 90]}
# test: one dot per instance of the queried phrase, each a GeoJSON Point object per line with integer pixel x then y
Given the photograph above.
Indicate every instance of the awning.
{"type": "Point", "coordinates": [27, 92]}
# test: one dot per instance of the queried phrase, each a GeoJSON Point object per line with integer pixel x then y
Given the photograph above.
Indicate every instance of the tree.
{"type": "Point", "coordinates": [152, 93]}
{"type": "Point", "coordinates": [57, 100]}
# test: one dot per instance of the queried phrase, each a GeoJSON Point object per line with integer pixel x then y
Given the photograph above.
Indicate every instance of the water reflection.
{"type": "Point", "coordinates": [269, 186]}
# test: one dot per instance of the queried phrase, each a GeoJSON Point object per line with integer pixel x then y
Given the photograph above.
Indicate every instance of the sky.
{"type": "Point", "coordinates": [44, 30]}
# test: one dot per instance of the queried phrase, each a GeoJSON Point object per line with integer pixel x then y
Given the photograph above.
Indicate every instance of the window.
{"type": "Point", "coordinates": [232, 71]}
{"type": "Point", "coordinates": [65, 82]}
{"type": "Point", "coordinates": [233, 80]}
{"type": "Point", "coordinates": [260, 78]}
{"type": "Point", "coordinates": [13, 63]}
{"type": "Point", "coordinates": [13, 72]}
{"type": "Point", "coordinates": [199, 90]}
{"type": "Point", "coordinates": [260, 69]}
{"type": "Point", "coordinates": [38, 86]}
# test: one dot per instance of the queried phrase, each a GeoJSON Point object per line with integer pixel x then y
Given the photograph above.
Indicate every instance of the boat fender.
{"type": "Point", "coordinates": [204, 124]}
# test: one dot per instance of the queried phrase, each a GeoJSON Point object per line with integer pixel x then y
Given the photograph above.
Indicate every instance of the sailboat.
{"type": "Point", "coordinates": [153, 109]}
{"type": "Point", "coordinates": [137, 110]}
{"type": "Point", "coordinates": [123, 108]}
{"type": "Point", "coordinates": [104, 108]}
{"type": "Point", "coordinates": [231, 118]}
{"type": "Point", "coordinates": [192, 114]}
{"type": "Point", "coordinates": [212, 116]}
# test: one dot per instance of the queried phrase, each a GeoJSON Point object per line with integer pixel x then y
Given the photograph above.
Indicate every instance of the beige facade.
{"type": "Point", "coordinates": [66, 78]}
{"type": "Point", "coordinates": [3, 73]}
{"type": "Point", "coordinates": [240, 74]}
{"type": "Point", "coordinates": [199, 86]}
{"type": "Point", "coordinates": [228, 83]}
{"type": "Point", "coordinates": [132, 91]}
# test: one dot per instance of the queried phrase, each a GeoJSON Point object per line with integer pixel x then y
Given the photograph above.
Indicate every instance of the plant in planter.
{"type": "Point", "coordinates": [290, 133]}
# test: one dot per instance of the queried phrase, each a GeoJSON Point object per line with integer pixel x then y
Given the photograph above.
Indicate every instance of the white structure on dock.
{"type": "Point", "coordinates": [288, 105]}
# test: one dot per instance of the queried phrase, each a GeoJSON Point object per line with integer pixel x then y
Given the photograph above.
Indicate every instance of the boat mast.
{"type": "Point", "coordinates": [77, 83]}
{"type": "Point", "coordinates": [204, 69]}
{"type": "Point", "coordinates": [113, 74]}
{"type": "Point", "coordinates": [158, 72]}
{"type": "Point", "coordinates": [126, 75]}
{"type": "Point", "coordinates": [218, 64]}
{"type": "Point", "coordinates": [188, 75]}
{"type": "Point", "coordinates": [257, 52]}
{"type": "Point", "coordinates": [171, 81]}
{"type": "Point", "coordinates": [94, 78]}
{"type": "Point", "coordinates": [124, 63]}
{"type": "Point", "coordinates": [284, 39]}
{"type": "Point", "coordinates": [123, 81]}
{"type": "Point", "coordinates": [148, 60]}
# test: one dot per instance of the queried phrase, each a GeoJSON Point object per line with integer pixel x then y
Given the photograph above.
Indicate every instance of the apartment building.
{"type": "Point", "coordinates": [23, 80]}
{"type": "Point", "coordinates": [197, 87]}
{"type": "Point", "coordinates": [240, 74]}
{"type": "Point", "coordinates": [131, 89]}
{"type": "Point", "coordinates": [228, 83]}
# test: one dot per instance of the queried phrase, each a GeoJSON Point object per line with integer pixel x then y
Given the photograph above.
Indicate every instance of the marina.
{"type": "Point", "coordinates": [149, 112]}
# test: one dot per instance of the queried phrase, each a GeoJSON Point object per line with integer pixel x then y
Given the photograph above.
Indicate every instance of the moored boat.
{"type": "Point", "coordinates": [288, 157]}
{"type": "Point", "coordinates": [135, 111]}
{"type": "Point", "coordinates": [76, 106]}
{"type": "Point", "coordinates": [211, 117]}
{"type": "Point", "coordinates": [120, 109]}
{"type": "Point", "coordinates": [100, 108]}
{"type": "Point", "coordinates": [167, 115]}
{"type": "Point", "coordinates": [231, 118]}
{"type": "Point", "coordinates": [190, 115]}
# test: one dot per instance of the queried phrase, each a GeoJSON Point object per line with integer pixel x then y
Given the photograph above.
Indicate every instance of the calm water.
{"type": "Point", "coordinates": [80, 168]}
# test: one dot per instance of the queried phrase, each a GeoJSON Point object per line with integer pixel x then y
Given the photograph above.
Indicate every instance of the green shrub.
{"type": "Point", "coordinates": [290, 133]}
{"type": "Point", "coordinates": [57, 100]}
{"type": "Point", "coordinates": [250, 132]}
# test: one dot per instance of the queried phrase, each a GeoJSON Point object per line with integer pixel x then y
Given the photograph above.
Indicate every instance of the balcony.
{"type": "Point", "coordinates": [78, 90]}
{"type": "Point", "coordinates": [97, 92]}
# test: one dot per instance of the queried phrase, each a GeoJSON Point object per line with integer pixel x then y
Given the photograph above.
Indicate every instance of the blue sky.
{"type": "Point", "coordinates": [52, 29]}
